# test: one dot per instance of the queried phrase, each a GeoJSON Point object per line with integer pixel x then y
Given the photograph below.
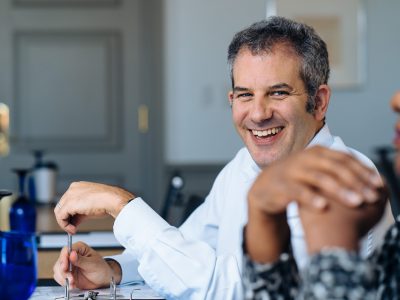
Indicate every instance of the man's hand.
{"type": "Point", "coordinates": [89, 269]}
{"type": "Point", "coordinates": [88, 199]}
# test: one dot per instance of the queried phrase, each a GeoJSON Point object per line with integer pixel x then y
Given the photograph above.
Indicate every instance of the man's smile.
{"type": "Point", "coordinates": [266, 133]}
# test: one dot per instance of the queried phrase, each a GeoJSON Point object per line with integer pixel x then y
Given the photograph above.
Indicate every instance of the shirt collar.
{"type": "Point", "coordinates": [322, 138]}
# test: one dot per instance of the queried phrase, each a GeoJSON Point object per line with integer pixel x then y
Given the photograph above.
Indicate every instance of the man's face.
{"type": "Point", "coordinates": [269, 105]}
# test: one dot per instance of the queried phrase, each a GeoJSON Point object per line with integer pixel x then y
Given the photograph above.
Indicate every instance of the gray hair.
{"type": "Point", "coordinates": [261, 37]}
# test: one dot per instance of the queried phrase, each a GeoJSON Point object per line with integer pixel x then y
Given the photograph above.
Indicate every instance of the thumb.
{"type": "Point", "coordinates": [80, 261]}
{"type": "Point", "coordinates": [84, 262]}
{"type": "Point", "coordinates": [92, 269]}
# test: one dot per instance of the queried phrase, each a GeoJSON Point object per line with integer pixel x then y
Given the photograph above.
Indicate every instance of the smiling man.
{"type": "Point", "coordinates": [269, 108]}
{"type": "Point", "coordinates": [279, 98]}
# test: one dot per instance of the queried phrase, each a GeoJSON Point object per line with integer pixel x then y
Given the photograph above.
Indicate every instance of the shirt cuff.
{"type": "Point", "coordinates": [137, 225]}
{"type": "Point", "coordinates": [128, 265]}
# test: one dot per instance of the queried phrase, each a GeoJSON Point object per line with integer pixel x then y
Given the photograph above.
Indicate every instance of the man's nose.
{"type": "Point", "coordinates": [261, 109]}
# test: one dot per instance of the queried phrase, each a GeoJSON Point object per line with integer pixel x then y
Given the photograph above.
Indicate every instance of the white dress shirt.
{"type": "Point", "coordinates": [202, 259]}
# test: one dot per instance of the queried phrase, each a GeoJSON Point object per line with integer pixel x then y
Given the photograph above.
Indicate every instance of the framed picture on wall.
{"type": "Point", "coordinates": [341, 24]}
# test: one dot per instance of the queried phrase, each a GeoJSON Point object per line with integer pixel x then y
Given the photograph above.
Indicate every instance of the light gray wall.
{"type": "Point", "coordinates": [362, 117]}
{"type": "Point", "coordinates": [198, 121]}
{"type": "Point", "coordinates": [198, 127]}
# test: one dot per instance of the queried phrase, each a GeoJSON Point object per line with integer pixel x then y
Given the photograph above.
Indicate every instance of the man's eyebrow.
{"type": "Point", "coordinates": [281, 86]}
{"type": "Point", "coordinates": [240, 89]}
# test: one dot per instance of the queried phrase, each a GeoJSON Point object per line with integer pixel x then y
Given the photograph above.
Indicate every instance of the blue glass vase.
{"type": "Point", "coordinates": [18, 261]}
{"type": "Point", "coordinates": [22, 212]}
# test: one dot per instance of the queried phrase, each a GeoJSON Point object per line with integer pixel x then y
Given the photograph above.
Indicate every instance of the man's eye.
{"type": "Point", "coordinates": [279, 94]}
{"type": "Point", "coordinates": [244, 95]}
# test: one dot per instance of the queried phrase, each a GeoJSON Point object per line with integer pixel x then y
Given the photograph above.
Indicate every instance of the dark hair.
{"type": "Point", "coordinates": [261, 37]}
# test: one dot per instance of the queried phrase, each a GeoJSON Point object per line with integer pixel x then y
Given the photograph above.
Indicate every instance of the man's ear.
{"type": "Point", "coordinates": [230, 97]}
{"type": "Point", "coordinates": [322, 101]}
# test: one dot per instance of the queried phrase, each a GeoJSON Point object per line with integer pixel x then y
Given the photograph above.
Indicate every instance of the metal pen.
{"type": "Point", "coordinates": [113, 289]}
{"type": "Point", "coordinates": [69, 251]}
{"type": "Point", "coordinates": [69, 246]}
{"type": "Point", "coordinates": [66, 297]}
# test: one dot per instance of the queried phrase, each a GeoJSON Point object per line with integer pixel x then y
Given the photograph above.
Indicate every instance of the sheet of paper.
{"type": "Point", "coordinates": [123, 292]}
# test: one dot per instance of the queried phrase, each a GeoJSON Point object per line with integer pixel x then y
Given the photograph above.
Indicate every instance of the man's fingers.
{"type": "Point", "coordinates": [74, 257]}
{"type": "Point", "coordinates": [71, 281]}
{"type": "Point", "coordinates": [58, 274]}
{"type": "Point", "coordinates": [60, 268]}
{"type": "Point", "coordinates": [82, 261]}
{"type": "Point", "coordinates": [64, 218]}
{"type": "Point", "coordinates": [63, 259]}
{"type": "Point", "coordinates": [62, 215]}
{"type": "Point", "coordinates": [81, 256]}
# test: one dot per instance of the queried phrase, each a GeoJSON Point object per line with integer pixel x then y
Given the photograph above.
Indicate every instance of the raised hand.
{"type": "Point", "coordinates": [314, 178]}
{"type": "Point", "coordinates": [311, 177]}
{"type": "Point", "coordinates": [89, 199]}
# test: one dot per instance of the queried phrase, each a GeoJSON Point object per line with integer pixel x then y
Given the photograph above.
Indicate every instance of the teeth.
{"type": "Point", "coordinates": [268, 132]}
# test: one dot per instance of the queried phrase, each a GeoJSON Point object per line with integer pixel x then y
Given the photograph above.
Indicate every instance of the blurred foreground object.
{"type": "Point", "coordinates": [385, 165]}
{"type": "Point", "coordinates": [17, 265]}
{"type": "Point", "coordinates": [4, 128]}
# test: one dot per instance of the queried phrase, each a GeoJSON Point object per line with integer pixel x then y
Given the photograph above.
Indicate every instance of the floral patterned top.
{"type": "Point", "coordinates": [331, 274]}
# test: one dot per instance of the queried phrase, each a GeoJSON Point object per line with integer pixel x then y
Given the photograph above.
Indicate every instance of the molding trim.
{"type": "Point", "coordinates": [111, 41]}
{"type": "Point", "coordinates": [65, 3]}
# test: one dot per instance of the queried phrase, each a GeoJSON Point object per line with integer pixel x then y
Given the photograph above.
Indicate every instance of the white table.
{"type": "Point", "coordinates": [123, 292]}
